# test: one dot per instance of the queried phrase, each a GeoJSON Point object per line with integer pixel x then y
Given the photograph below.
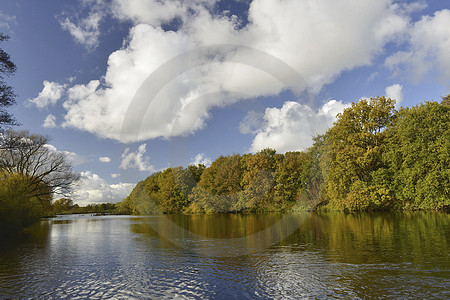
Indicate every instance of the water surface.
{"type": "Point", "coordinates": [230, 256]}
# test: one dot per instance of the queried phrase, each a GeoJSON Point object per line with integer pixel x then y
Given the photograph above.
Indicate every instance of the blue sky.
{"type": "Point", "coordinates": [129, 87]}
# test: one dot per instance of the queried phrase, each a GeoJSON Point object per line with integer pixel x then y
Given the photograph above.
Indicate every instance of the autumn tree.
{"type": "Point", "coordinates": [63, 205]}
{"type": "Point", "coordinates": [258, 180]}
{"type": "Point", "coordinates": [139, 201]}
{"type": "Point", "coordinates": [17, 209]}
{"type": "Point", "coordinates": [446, 100]}
{"type": "Point", "coordinates": [196, 171]}
{"type": "Point", "coordinates": [353, 152]}
{"type": "Point", "coordinates": [44, 170]}
{"type": "Point", "coordinates": [170, 188]}
{"type": "Point", "coordinates": [219, 186]}
{"type": "Point", "coordinates": [314, 192]}
{"type": "Point", "coordinates": [292, 176]}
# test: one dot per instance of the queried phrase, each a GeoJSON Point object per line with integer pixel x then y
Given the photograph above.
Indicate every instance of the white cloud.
{"type": "Point", "coordinates": [151, 12]}
{"type": "Point", "coordinates": [72, 157]}
{"type": "Point", "coordinates": [429, 44]}
{"type": "Point", "coordinates": [413, 6]}
{"type": "Point", "coordinates": [85, 31]}
{"type": "Point", "coordinates": [201, 159]}
{"type": "Point", "coordinates": [6, 20]}
{"type": "Point", "coordinates": [316, 40]}
{"type": "Point", "coordinates": [395, 92]}
{"type": "Point", "coordinates": [49, 95]}
{"type": "Point", "coordinates": [136, 160]}
{"type": "Point", "coordinates": [115, 175]}
{"type": "Point", "coordinates": [91, 188]}
{"type": "Point", "coordinates": [252, 123]}
{"type": "Point", "coordinates": [50, 121]}
{"type": "Point", "coordinates": [292, 127]}
{"type": "Point", "coordinates": [104, 159]}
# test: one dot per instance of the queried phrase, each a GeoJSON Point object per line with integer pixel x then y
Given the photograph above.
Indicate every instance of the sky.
{"type": "Point", "coordinates": [130, 87]}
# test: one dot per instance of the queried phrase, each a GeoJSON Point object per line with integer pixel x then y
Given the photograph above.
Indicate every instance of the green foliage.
{"type": "Point", "coordinates": [126, 207]}
{"type": "Point", "coordinates": [418, 156]}
{"type": "Point", "coordinates": [139, 201]}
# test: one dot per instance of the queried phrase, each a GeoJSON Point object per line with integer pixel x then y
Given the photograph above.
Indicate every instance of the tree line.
{"type": "Point", "coordinates": [373, 158]}
{"type": "Point", "coordinates": [64, 206]}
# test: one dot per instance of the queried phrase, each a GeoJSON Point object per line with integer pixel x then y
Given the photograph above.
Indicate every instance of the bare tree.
{"type": "Point", "coordinates": [7, 95]}
{"type": "Point", "coordinates": [46, 171]}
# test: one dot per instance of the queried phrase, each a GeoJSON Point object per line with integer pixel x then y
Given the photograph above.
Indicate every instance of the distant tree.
{"type": "Point", "coordinates": [46, 171]}
{"type": "Point", "coordinates": [62, 204]}
{"type": "Point", "coordinates": [7, 95]}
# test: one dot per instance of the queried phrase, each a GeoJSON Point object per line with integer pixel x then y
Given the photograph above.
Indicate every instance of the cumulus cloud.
{"type": "Point", "coordinates": [50, 121]}
{"type": "Point", "coordinates": [395, 92]}
{"type": "Point", "coordinates": [104, 159]}
{"type": "Point", "coordinates": [137, 159]}
{"type": "Point", "coordinates": [292, 127]}
{"type": "Point", "coordinates": [252, 123]}
{"type": "Point", "coordinates": [91, 188]}
{"type": "Point", "coordinates": [153, 12]}
{"type": "Point", "coordinates": [292, 44]}
{"type": "Point", "coordinates": [428, 49]}
{"type": "Point", "coordinates": [115, 175]}
{"type": "Point", "coordinates": [85, 31]}
{"type": "Point", "coordinates": [201, 159]}
{"type": "Point", "coordinates": [49, 95]}
{"type": "Point", "coordinates": [72, 157]}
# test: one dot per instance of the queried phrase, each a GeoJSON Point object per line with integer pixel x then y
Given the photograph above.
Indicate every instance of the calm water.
{"type": "Point", "coordinates": [230, 256]}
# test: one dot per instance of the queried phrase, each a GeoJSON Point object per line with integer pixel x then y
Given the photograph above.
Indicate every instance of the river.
{"type": "Point", "coordinates": [270, 256]}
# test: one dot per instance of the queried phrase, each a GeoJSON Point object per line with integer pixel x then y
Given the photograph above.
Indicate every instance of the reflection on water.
{"type": "Point", "coordinates": [223, 256]}
{"type": "Point", "coordinates": [221, 235]}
